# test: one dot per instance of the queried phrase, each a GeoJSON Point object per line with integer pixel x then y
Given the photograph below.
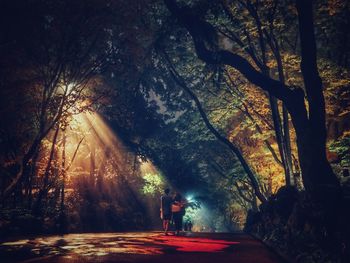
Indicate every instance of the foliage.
{"type": "Point", "coordinates": [112, 59]}
{"type": "Point", "coordinates": [153, 184]}
{"type": "Point", "coordinates": [342, 149]}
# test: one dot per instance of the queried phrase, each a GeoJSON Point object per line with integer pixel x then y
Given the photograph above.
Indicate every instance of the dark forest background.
{"type": "Point", "coordinates": [242, 106]}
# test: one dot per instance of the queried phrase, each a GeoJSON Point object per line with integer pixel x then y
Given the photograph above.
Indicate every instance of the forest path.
{"type": "Point", "coordinates": [139, 247]}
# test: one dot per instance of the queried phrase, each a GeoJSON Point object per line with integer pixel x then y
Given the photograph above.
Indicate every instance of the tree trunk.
{"type": "Point", "coordinates": [253, 11]}
{"type": "Point", "coordinates": [62, 215]}
{"type": "Point", "coordinates": [92, 165]}
{"type": "Point", "coordinates": [259, 130]}
{"type": "Point", "coordinates": [43, 131]}
{"type": "Point", "coordinates": [63, 171]}
{"type": "Point", "coordinates": [286, 133]}
{"type": "Point", "coordinates": [288, 148]}
{"type": "Point", "coordinates": [31, 177]}
{"type": "Point", "coordinates": [280, 138]}
{"type": "Point", "coordinates": [43, 191]}
{"type": "Point", "coordinates": [24, 168]}
{"type": "Point", "coordinates": [317, 173]}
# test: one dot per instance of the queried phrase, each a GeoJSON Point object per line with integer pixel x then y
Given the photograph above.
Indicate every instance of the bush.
{"type": "Point", "coordinates": [293, 225]}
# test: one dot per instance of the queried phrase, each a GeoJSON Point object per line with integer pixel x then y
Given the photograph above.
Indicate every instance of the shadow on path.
{"type": "Point", "coordinates": [138, 247]}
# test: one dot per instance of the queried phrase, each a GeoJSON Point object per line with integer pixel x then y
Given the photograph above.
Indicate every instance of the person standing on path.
{"type": "Point", "coordinates": [178, 210]}
{"type": "Point", "coordinates": [165, 209]}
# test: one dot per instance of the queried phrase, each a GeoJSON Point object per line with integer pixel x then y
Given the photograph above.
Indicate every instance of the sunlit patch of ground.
{"type": "Point", "coordinates": [102, 244]}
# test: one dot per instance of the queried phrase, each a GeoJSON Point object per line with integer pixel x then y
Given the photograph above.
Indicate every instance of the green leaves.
{"type": "Point", "coordinates": [341, 147]}
{"type": "Point", "coordinates": [153, 184]}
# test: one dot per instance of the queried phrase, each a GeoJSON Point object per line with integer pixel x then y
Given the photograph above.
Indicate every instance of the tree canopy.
{"type": "Point", "coordinates": [238, 103]}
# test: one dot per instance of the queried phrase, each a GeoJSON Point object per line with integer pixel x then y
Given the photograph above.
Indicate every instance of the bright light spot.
{"type": "Point", "coordinates": [89, 137]}
{"type": "Point", "coordinates": [147, 167]}
{"type": "Point", "coordinates": [204, 219]}
{"type": "Point", "coordinates": [16, 243]}
{"type": "Point", "coordinates": [189, 198]}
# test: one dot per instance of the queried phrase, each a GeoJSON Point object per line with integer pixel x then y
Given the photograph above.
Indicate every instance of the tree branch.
{"type": "Point", "coordinates": [232, 147]}
{"type": "Point", "coordinates": [203, 35]}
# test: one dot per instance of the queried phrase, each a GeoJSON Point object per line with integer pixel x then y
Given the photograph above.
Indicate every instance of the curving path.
{"type": "Point", "coordinates": [138, 247]}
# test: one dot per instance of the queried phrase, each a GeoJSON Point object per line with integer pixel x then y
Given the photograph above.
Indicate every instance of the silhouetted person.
{"type": "Point", "coordinates": [178, 209]}
{"type": "Point", "coordinates": [189, 226]}
{"type": "Point", "coordinates": [165, 209]}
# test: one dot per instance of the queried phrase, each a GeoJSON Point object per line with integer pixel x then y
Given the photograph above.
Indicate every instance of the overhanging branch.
{"type": "Point", "coordinates": [203, 35]}
{"type": "Point", "coordinates": [213, 130]}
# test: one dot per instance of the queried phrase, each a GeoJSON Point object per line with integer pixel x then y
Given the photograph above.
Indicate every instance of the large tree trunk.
{"type": "Point", "coordinates": [317, 173]}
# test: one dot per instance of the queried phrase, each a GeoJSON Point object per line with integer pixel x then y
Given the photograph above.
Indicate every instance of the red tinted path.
{"type": "Point", "coordinates": [139, 247]}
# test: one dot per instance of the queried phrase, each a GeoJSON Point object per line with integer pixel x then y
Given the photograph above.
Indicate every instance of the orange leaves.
{"type": "Point", "coordinates": [335, 6]}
